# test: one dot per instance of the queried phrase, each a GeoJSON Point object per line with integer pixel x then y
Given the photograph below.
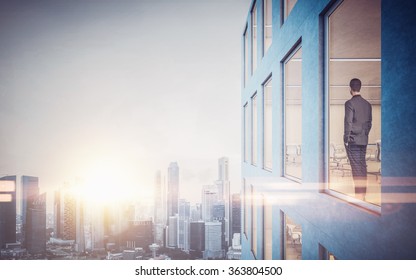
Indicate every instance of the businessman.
{"type": "Point", "coordinates": [357, 125]}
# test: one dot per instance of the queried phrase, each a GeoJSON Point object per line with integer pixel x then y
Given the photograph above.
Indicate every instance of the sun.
{"type": "Point", "coordinates": [108, 182]}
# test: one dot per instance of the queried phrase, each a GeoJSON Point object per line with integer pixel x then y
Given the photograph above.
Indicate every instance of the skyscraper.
{"type": "Point", "coordinates": [235, 214]}
{"type": "Point", "coordinates": [223, 184]}
{"type": "Point", "coordinates": [197, 238]}
{"type": "Point", "coordinates": [35, 227]}
{"type": "Point", "coordinates": [57, 215]}
{"type": "Point", "coordinates": [223, 169]}
{"type": "Point", "coordinates": [218, 214]}
{"type": "Point", "coordinates": [139, 234]}
{"type": "Point", "coordinates": [159, 207]}
{"type": "Point", "coordinates": [209, 197]}
{"type": "Point", "coordinates": [196, 212]}
{"type": "Point", "coordinates": [66, 214]}
{"type": "Point", "coordinates": [213, 246]}
{"type": "Point", "coordinates": [183, 224]}
{"type": "Point", "coordinates": [30, 190]}
{"type": "Point", "coordinates": [173, 189]}
{"type": "Point", "coordinates": [173, 204]}
{"type": "Point", "coordinates": [172, 231]}
{"type": "Point", "coordinates": [157, 194]}
{"type": "Point", "coordinates": [81, 221]}
{"type": "Point", "coordinates": [7, 210]}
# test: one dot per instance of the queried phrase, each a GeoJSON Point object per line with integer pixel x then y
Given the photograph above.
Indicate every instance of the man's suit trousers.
{"type": "Point", "coordinates": [356, 156]}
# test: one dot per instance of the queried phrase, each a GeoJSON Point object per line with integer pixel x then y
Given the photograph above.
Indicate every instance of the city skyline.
{"type": "Point", "coordinates": [108, 84]}
{"type": "Point", "coordinates": [88, 191]}
{"type": "Point", "coordinates": [83, 225]}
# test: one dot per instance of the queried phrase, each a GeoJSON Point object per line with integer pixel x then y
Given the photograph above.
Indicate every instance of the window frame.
{"type": "Point", "coordinates": [283, 15]}
{"type": "Point", "coordinates": [255, 213]}
{"type": "Point", "coordinates": [254, 129]}
{"type": "Point", "coordinates": [326, 188]}
{"type": "Point", "coordinates": [264, 146]}
{"type": "Point", "coordinates": [246, 133]}
{"type": "Point", "coordinates": [267, 217]}
{"type": "Point", "coordinates": [253, 240]}
{"type": "Point", "coordinates": [246, 55]}
{"type": "Point", "coordinates": [291, 53]}
{"type": "Point", "coordinates": [265, 26]}
{"type": "Point", "coordinates": [284, 251]}
{"type": "Point", "coordinates": [254, 15]}
{"type": "Point", "coordinates": [246, 209]}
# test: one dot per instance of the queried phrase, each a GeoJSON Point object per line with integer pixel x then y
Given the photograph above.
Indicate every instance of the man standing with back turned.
{"type": "Point", "coordinates": [357, 125]}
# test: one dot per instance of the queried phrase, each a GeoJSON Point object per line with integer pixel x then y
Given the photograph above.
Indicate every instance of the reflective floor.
{"type": "Point", "coordinates": [340, 179]}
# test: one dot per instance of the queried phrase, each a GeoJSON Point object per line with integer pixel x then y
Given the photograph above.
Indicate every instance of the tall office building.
{"type": "Point", "coordinates": [173, 189]}
{"type": "Point", "coordinates": [139, 234]}
{"type": "Point", "coordinates": [7, 210]}
{"type": "Point", "coordinates": [69, 216]}
{"type": "Point", "coordinates": [209, 197]}
{"type": "Point", "coordinates": [213, 244]}
{"type": "Point", "coordinates": [223, 184]}
{"type": "Point", "coordinates": [157, 195]}
{"type": "Point", "coordinates": [196, 212]}
{"type": "Point", "coordinates": [172, 232]}
{"type": "Point", "coordinates": [29, 188]}
{"type": "Point", "coordinates": [117, 219]}
{"type": "Point", "coordinates": [223, 181]}
{"type": "Point", "coordinates": [57, 224]}
{"type": "Point", "coordinates": [218, 214]}
{"type": "Point", "coordinates": [223, 167]}
{"type": "Point", "coordinates": [234, 252]}
{"type": "Point", "coordinates": [159, 209]}
{"type": "Point", "coordinates": [183, 224]}
{"type": "Point", "coordinates": [218, 211]}
{"type": "Point", "coordinates": [102, 225]}
{"type": "Point", "coordinates": [35, 240]}
{"type": "Point", "coordinates": [235, 214]}
{"type": "Point", "coordinates": [223, 176]}
{"type": "Point", "coordinates": [81, 207]}
{"type": "Point", "coordinates": [197, 238]}
{"type": "Point", "coordinates": [66, 213]}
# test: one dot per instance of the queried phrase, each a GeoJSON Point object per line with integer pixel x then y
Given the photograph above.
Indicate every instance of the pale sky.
{"type": "Point", "coordinates": [132, 85]}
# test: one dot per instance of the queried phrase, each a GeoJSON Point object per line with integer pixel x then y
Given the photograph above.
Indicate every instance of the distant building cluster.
{"type": "Point", "coordinates": [169, 228]}
{"type": "Point", "coordinates": [204, 230]}
{"type": "Point", "coordinates": [22, 235]}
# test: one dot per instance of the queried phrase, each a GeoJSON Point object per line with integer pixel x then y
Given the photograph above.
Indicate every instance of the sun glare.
{"type": "Point", "coordinates": [106, 183]}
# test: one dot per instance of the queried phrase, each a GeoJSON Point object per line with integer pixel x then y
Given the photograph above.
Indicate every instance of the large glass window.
{"type": "Point", "coordinates": [246, 205]}
{"type": "Point", "coordinates": [293, 115]}
{"type": "Point", "coordinates": [245, 57]}
{"type": "Point", "coordinates": [246, 133]}
{"type": "Point", "coordinates": [287, 7]}
{"type": "Point", "coordinates": [254, 219]}
{"type": "Point", "coordinates": [267, 125]}
{"type": "Point", "coordinates": [292, 239]}
{"type": "Point", "coordinates": [254, 38]}
{"type": "Point", "coordinates": [268, 231]}
{"type": "Point", "coordinates": [353, 51]}
{"type": "Point", "coordinates": [267, 25]}
{"type": "Point", "coordinates": [254, 130]}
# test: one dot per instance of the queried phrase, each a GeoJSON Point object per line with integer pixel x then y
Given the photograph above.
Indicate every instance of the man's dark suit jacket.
{"type": "Point", "coordinates": [357, 121]}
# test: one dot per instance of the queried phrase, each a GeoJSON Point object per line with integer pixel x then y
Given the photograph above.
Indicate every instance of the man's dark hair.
{"type": "Point", "coordinates": [355, 85]}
